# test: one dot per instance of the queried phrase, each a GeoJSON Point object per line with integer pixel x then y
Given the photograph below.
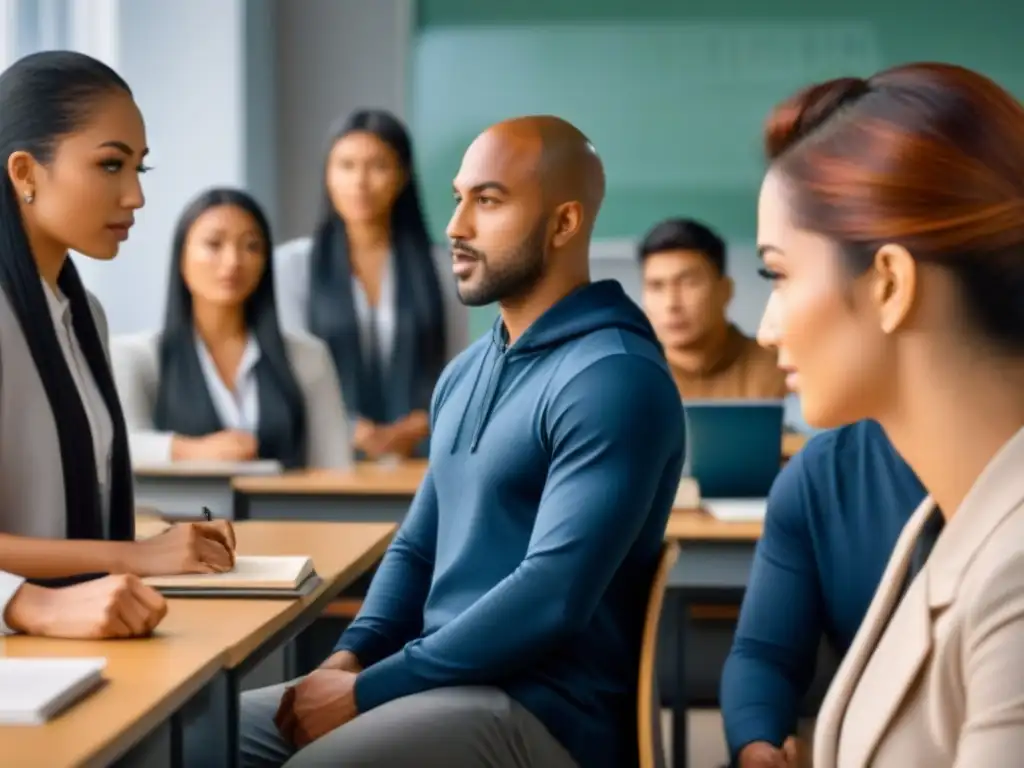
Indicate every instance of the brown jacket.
{"type": "Point", "coordinates": [741, 370]}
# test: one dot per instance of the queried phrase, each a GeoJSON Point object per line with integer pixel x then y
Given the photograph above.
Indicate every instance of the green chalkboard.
{"type": "Point", "coordinates": [673, 94]}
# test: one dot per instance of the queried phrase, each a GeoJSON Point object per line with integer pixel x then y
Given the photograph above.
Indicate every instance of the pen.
{"type": "Point", "coordinates": [207, 514]}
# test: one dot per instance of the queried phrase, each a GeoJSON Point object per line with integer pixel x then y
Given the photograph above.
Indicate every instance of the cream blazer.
{"type": "Point", "coordinates": [941, 683]}
{"type": "Point", "coordinates": [135, 360]}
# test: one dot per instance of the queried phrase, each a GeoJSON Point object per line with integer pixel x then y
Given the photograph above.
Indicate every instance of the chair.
{"type": "Point", "coordinates": [652, 746]}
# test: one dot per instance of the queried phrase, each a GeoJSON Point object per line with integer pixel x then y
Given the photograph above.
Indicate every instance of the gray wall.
{"type": "Point", "coordinates": [333, 57]}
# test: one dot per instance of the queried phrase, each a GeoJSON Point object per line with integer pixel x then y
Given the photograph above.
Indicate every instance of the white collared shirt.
{"type": "Point", "coordinates": [238, 406]}
{"type": "Point", "coordinates": [100, 424]}
{"type": "Point", "coordinates": [385, 312]}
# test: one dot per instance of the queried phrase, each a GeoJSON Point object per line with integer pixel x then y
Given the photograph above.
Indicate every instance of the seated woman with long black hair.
{"type": "Point", "coordinates": [72, 143]}
{"type": "Point", "coordinates": [368, 283]}
{"type": "Point", "coordinates": [220, 381]}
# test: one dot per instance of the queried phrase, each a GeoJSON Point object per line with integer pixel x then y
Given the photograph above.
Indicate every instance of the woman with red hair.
{"type": "Point", "coordinates": [891, 224]}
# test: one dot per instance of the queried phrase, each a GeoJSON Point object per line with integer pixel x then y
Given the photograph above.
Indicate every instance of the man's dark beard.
{"type": "Point", "coordinates": [518, 273]}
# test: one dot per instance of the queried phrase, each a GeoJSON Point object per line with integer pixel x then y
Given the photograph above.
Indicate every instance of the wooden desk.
{"type": "Point", "coordinates": [370, 492]}
{"type": "Point", "coordinates": [184, 494]}
{"type": "Point", "coordinates": [148, 682]}
{"type": "Point", "coordinates": [247, 631]}
{"type": "Point", "coordinates": [698, 525]}
{"type": "Point", "coordinates": [189, 671]}
{"type": "Point", "coordinates": [708, 581]}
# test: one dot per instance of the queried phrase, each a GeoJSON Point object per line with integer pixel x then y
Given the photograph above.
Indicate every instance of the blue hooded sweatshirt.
{"type": "Point", "coordinates": [526, 557]}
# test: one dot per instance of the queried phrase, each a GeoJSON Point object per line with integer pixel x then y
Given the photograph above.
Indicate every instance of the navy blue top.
{"type": "Point", "coordinates": [834, 514]}
{"type": "Point", "coordinates": [526, 556]}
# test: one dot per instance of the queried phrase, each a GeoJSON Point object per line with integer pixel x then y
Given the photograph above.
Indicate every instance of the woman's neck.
{"type": "Point", "coordinates": [951, 421]}
{"type": "Point", "coordinates": [49, 257]}
{"type": "Point", "coordinates": [367, 240]}
{"type": "Point", "coordinates": [217, 325]}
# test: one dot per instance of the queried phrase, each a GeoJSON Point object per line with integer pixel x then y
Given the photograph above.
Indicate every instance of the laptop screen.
{"type": "Point", "coordinates": [734, 447]}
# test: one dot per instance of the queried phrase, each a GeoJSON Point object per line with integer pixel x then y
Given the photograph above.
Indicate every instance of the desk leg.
{"type": "Point", "coordinates": [680, 708]}
{"type": "Point", "coordinates": [208, 725]}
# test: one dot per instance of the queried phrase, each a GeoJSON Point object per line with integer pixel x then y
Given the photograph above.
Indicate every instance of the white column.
{"type": "Point", "coordinates": [8, 32]}
{"type": "Point", "coordinates": [93, 28]}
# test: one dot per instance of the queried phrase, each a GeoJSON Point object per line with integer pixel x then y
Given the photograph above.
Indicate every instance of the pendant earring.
{"type": "Point", "coordinates": [29, 197]}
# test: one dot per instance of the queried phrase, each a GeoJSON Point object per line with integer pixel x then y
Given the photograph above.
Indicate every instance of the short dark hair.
{"type": "Point", "coordinates": [684, 235]}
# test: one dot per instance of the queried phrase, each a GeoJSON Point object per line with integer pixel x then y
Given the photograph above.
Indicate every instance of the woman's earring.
{"type": "Point", "coordinates": [29, 197]}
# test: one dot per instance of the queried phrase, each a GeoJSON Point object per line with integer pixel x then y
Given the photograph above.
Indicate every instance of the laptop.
{"type": "Point", "coordinates": [734, 451]}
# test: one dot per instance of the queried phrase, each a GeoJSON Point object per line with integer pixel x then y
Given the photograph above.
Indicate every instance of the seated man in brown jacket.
{"type": "Point", "coordinates": [685, 294]}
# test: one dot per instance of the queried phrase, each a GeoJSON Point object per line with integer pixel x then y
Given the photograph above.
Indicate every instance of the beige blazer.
{"type": "Point", "coordinates": [31, 476]}
{"type": "Point", "coordinates": [136, 365]}
{"type": "Point", "coordinates": [941, 683]}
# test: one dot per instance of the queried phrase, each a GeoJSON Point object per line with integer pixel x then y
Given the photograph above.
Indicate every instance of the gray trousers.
{"type": "Point", "coordinates": [444, 728]}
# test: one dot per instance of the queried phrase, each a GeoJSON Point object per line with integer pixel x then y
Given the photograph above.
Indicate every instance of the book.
{"type": "Point", "coordinates": [252, 574]}
{"type": "Point", "coordinates": [34, 690]}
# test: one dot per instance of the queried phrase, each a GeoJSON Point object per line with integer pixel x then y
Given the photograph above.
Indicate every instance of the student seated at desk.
{"type": "Point", "coordinates": [686, 293]}
{"type": "Point", "coordinates": [72, 143]}
{"type": "Point", "coordinates": [220, 381]}
{"type": "Point", "coordinates": [369, 283]}
{"type": "Point", "coordinates": [834, 514]}
{"type": "Point", "coordinates": [504, 625]}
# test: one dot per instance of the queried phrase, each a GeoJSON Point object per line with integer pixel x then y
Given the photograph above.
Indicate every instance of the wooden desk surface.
{"type": "Point", "coordinates": [372, 479]}
{"type": "Point", "coordinates": [148, 680]}
{"type": "Point", "coordinates": [698, 525]}
{"type": "Point", "coordinates": [365, 479]}
{"type": "Point", "coordinates": [341, 553]}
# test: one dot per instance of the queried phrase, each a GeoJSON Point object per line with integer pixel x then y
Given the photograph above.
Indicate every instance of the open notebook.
{"type": "Point", "coordinates": [34, 690]}
{"type": "Point", "coordinates": [252, 576]}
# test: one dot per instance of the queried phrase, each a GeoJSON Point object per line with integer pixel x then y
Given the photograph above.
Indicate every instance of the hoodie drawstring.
{"type": "Point", "coordinates": [490, 395]}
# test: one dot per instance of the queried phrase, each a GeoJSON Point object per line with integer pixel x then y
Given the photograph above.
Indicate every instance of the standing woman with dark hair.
{"type": "Point", "coordinates": [370, 285]}
{"type": "Point", "coordinates": [220, 381]}
{"type": "Point", "coordinates": [72, 143]}
{"type": "Point", "coordinates": [891, 222]}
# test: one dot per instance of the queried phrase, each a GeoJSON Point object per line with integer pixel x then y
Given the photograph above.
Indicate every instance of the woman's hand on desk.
{"type": "Point", "coordinates": [184, 548]}
{"type": "Point", "coordinates": [114, 606]}
{"type": "Point", "coordinates": [226, 445]}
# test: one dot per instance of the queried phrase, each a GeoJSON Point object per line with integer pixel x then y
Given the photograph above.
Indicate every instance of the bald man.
{"type": "Point", "coordinates": [503, 626]}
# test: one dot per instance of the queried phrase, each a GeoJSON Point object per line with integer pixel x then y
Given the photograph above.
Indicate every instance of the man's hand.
{"type": "Point", "coordinates": [343, 660]}
{"type": "Point", "coordinates": [323, 701]}
{"type": "Point", "coordinates": [761, 754]}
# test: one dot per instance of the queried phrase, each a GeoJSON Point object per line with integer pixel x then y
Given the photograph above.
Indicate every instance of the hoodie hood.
{"type": "Point", "coordinates": [597, 306]}
{"type": "Point", "coordinates": [592, 307]}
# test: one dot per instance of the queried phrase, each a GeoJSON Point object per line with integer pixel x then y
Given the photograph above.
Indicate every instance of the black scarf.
{"type": "Point", "coordinates": [379, 390]}
{"type": "Point", "coordinates": [82, 500]}
{"type": "Point", "coordinates": [184, 405]}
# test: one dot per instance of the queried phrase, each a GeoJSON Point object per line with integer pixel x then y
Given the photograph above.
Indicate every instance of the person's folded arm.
{"type": "Point", "coordinates": [613, 431]}
{"type": "Point", "coordinates": [774, 652]}
{"type": "Point", "coordinates": [392, 612]}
